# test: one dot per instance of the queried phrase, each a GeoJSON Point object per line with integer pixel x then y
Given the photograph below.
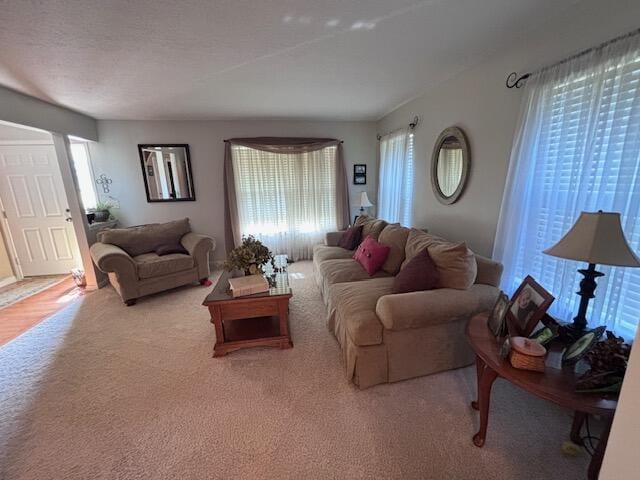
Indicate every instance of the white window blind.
{"type": "Point", "coordinates": [578, 149]}
{"type": "Point", "coordinates": [287, 201]}
{"type": "Point", "coordinates": [396, 177]}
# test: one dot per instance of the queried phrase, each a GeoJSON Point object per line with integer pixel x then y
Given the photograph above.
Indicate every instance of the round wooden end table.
{"type": "Point", "coordinates": [556, 385]}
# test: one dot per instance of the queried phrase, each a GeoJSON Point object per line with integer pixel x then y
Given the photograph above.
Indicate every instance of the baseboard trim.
{"type": "Point", "coordinates": [8, 281]}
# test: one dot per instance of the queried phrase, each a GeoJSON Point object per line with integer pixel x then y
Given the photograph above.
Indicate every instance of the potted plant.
{"type": "Point", "coordinates": [102, 212]}
{"type": "Point", "coordinates": [250, 257]}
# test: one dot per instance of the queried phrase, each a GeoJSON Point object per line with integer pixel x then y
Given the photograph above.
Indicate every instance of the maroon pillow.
{"type": "Point", "coordinates": [420, 273]}
{"type": "Point", "coordinates": [172, 248]}
{"type": "Point", "coordinates": [350, 239]}
{"type": "Point", "coordinates": [371, 254]}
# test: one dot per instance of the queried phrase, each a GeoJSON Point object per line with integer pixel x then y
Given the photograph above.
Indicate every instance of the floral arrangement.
{"type": "Point", "coordinates": [249, 257]}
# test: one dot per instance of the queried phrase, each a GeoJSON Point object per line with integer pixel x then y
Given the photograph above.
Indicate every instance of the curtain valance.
{"type": "Point", "coordinates": [285, 144]}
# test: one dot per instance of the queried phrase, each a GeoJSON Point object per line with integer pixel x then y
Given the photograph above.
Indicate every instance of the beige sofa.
{"type": "Point", "coordinates": [128, 256]}
{"type": "Point", "coordinates": [387, 337]}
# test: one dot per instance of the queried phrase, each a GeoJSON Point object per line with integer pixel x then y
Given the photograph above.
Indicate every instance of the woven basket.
{"type": "Point", "coordinates": [527, 354]}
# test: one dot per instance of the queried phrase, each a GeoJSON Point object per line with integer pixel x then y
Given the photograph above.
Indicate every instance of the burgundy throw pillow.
{"type": "Point", "coordinates": [351, 238]}
{"type": "Point", "coordinates": [420, 273]}
{"type": "Point", "coordinates": [172, 248]}
{"type": "Point", "coordinates": [371, 255]}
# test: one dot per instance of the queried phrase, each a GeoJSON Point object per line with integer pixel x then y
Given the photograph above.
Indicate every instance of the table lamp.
{"type": "Point", "coordinates": [596, 237]}
{"type": "Point", "coordinates": [364, 202]}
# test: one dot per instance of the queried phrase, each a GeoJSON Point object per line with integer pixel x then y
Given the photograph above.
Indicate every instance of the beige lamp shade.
{"type": "Point", "coordinates": [596, 237]}
{"type": "Point", "coordinates": [364, 200]}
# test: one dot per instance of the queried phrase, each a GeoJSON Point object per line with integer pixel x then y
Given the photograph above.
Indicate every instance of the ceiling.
{"type": "Point", "coordinates": [200, 59]}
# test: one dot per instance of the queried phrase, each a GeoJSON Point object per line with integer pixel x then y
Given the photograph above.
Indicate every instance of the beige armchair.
{"type": "Point", "coordinates": [152, 258]}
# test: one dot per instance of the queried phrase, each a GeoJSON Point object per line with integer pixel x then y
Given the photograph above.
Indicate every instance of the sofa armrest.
{"type": "Point", "coordinates": [331, 239]}
{"type": "Point", "coordinates": [110, 258]}
{"type": "Point", "coordinates": [401, 311]}
{"type": "Point", "coordinates": [489, 271]}
{"type": "Point", "coordinates": [199, 247]}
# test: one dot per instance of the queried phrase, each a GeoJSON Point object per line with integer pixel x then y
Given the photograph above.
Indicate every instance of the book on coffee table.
{"type": "Point", "coordinates": [248, 285]}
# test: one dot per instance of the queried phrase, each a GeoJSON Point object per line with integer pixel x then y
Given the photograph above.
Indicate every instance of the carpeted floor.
{"type": "Point", "coordinates": [104, 391]}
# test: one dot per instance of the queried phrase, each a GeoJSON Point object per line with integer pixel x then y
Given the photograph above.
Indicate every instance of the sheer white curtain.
{"type": "Point", "coordinates": [287, 201]}
{"type": "Point", "coordinates": [577, 148]}
{"type": "Point", "coordinates": [396, 177]}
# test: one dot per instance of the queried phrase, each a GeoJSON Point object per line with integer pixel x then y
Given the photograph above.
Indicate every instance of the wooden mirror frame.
{"type": "Point", "coordinates": [192, 196]}
{"type": "Point", "coordinates": [466, 162]}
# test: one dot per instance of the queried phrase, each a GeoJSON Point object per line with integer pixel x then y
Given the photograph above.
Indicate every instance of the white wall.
{"type": "Point", "coordinates": [116, 155]}
{"type": "Point", "coordinates": [621, 456]}
{"type": "Point", "coordinates": [479, 103]}
{"type": "Point", "coordinates": [25, 110]}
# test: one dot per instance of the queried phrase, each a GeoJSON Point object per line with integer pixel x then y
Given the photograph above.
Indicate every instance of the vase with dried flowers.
{"type": "Point", "coordinates": [250, 257]}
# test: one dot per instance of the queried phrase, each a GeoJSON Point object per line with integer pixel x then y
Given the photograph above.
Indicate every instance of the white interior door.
{"type": "Point", "coordinates": [36, 210]}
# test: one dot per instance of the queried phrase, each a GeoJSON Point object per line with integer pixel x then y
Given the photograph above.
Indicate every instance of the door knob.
{"type": "Point", "coordinates": [68, 219]}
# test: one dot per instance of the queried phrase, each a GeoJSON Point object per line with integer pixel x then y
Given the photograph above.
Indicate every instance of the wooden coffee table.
{"type": "Point", "coordinates": [259, 320]}
{"type": "Point", "coordinates": [555, 384]}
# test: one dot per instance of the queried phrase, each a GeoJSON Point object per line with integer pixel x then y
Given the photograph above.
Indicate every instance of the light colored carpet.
{"type": "Point", "coordinates": [104, 391]}
{"type": "Point", "coordinates": [26, 287]}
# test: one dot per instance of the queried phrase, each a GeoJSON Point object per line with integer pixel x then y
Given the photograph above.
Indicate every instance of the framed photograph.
{"type": "Point", "coordinates": [360, 179]}
{"type": "Point", "coordinates": [360, 168]}
{"type": "Point", "coordinates": [528, 306]}
{"type": "Point", "coordinates": [497, 319]}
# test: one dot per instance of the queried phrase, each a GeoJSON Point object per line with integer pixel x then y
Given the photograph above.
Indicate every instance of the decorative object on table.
{"type": "Point", "coordinates": [545, 334]}
{"type": "Point", "coordinates": [364, 202]}
{"type": "Point", "coordinates": [250, 257]}
{"type": "Point", "coordinates": [167, 173]}
{"type": "Point", "coordinates": [450, 165]}
{"type": "Point", "coordinates": [497, 321]}
{"type": "Point", "coordinates": [528, 305]}
{"type": "Point", "coordinates": [582, 345]}
{"type": "Point", "coordinates": [505, 348]}
{"type": "Point", "coordinates": [102, 213]}
{"type": "Point", "coordinates": [359, 174]}
{"type": "Point", "coordinates": [596, 237]}
{"type": "Point", "coordinates": [608, 360]}
{"type": "Point", "coordinates": [248, 285]}
{"type": "Point", "coordinates": [527, 354]}
{"type": "Point", "coordinates": [104, 182]}
{"type": "Point", "coordinates": [91, 217]}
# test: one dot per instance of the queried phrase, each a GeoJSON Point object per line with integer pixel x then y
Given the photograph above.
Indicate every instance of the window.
{"type": "Point", "coordinates": [84, 174]}
{"type": "Point", "coordinates": [578, 149]}
{"type": "Point", "coordinates": [287, 201]}
{"type": "Point", "coordinates": [395, 186]}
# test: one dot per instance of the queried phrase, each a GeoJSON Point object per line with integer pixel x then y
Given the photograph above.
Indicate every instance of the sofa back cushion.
{"type": "Point", "coordinates": [395, 237]}
{"type": "Point", "coordinates": [420, 273]}
{"type": "Point", "coordinates": [371, 227]}
{"type": "Point", "coordinates": [145, 238]}
{"type": "Point", "coordinates": [371, 255]}
{"type": "Point", "coordinates": [351, 238]}
{"type": "Point", "coordinates": [456, 263]}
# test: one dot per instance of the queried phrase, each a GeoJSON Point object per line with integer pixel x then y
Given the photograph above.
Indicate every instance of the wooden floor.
{"type": "Point", "coordinates": [24, 314]}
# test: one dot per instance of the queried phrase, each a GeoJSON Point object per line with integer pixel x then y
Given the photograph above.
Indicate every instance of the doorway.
{"type": "Point", "coordinates": [37, 225]}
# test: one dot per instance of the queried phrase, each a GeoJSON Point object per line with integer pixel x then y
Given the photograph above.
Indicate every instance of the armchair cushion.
{"type": "Point", "coordinates": [152, 265]}
{"type": "Point", "coordinates": [421, 309]}
{"type": "Point", "coordinates": [145, 238]}
{"type": "Point", "coordinates": [171, 248]}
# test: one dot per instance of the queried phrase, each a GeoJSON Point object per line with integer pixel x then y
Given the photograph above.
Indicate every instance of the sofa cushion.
{"type": "Point", "coordinates": [370, 226]}
{"type": "Point", "coordinates": [420, 273]}
{"type": "Point", "coordinates": [343, 270]}
{"type": "Point", "coordinates": [152, 265]}
{"type": "Point", "coordinates": [352, 310]}
{"type": "Point", "coordinates": [145, 238]}
{"type": "Point", "coordinates": [371, 255]}
{"type": "Point", "coordinates": [168, 248]}
{"type": "Point", "coordinates": [351, 238]}
{"type": "Point", "coordinates": [395, 237]}
{"type": "Point", "coordinates": [456, 263]}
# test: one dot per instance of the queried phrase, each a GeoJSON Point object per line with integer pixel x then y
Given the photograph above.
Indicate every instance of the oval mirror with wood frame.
{"type": "Point", "coordinates": [450, 164]}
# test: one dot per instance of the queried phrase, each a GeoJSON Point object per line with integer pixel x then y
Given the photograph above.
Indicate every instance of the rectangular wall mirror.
{"type": "Point", "coordinates": [166, 170]}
